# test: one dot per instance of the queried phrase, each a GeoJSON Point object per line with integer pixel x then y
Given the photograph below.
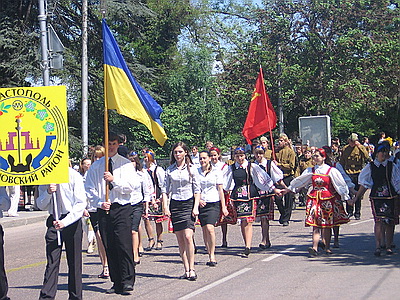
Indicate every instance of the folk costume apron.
{"type": "Point", "coordinates": [384, 199]}
{"type": "Point", "coordinates": [244, 194]}
{"type": "Point", "coordinates": [323, 207]}
{"type": "Point", "coordinates": [231, 218]}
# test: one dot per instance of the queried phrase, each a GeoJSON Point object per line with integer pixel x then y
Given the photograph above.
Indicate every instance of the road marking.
{"type": "Point", "coordinates": [356, 223]}
{"type": "Point", "coordinates": [214, 284]}
{"type": "Point", "coordinates": [278, 254]}
{"type": "Point", "coordinates": [26, 267]}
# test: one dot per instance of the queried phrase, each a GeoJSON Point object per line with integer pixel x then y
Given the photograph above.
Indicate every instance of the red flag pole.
{"type": "Point", "coordinates": [266, 103]}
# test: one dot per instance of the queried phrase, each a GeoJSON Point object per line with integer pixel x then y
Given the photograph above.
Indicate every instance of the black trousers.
{"type": "Point", "coordinates": [71, 236]}
{"type": "Point", "coordinates": [3, 277]}
{"type": "Point", "coordinates": [285, 203]}
{"type": "Point", "coordinates": [356, 209]}
{"type": "Point", "coordinates": [116, 233]}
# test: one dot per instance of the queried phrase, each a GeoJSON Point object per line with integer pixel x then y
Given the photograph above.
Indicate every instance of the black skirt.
{"type": "Point", "coordinates": [209, 214]}
{"type": "Point", "coordinates": [137, 211]}
{"type": "Point", "coordinates": [181, 214]}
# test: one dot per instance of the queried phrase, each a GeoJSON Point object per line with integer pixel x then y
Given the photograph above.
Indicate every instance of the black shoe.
{"type": "Point", "coordinates": [114, 290]}
{"type": "Point", "coordinates": [246, 252]}
{"type": "Point", "coordinates": [211, 263]}
{"type": "Point", "coordinates": [224, 245]}
{"type": "Point", "coordinates": [357, 217]}
{"type": "Point", "coordinates": [377, 252]}
{"type": "Point", "coordinates": [127, 288]}
{"type": "Point", "coordinates": [286, 223]}
{"type": "Point", "coordinates": [193, 276]}
{"type": "Point", "coordinates": [312, 252]}
{"type": "Point", "coordinates": [349, 215]}
{"type": "Point", "coordinates": [266, 246]}
{"type": "Point", "coordinates": [321, 245]}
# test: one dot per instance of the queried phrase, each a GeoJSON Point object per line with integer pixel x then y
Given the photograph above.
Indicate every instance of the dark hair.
{"type": "Point", "coordinates": [188, 160]}
{"type": "Point", "coordinates": [185, 148]}
{"type": "Point", "coordinates": [112, 136]}
{"type": "Point", "coordinates": [81, 165]}
{"type": "Point", "coordinates": [209, 165]}
{"type": "Point", "coordinates": [328, 152]}
{"type": "Point", "coordinates": [138, 165]}
{"type": "Point", "coordinates": [121, 138]}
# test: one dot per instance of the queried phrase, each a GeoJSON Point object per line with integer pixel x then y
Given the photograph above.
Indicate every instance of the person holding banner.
{"type": "Point", "coordinates": [65, 203]}
{"type": "Point", "coordinates": [182, 187]}
{"type": "Point", "coordinates": [243, 179]}
{"type": "Point", "coordinates": [115, 213]}
{"type": "Point", "coordinates": [5, 203]}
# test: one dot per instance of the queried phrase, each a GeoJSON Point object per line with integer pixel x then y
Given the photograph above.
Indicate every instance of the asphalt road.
{"type": "Point", "coordinates": [282, 272]}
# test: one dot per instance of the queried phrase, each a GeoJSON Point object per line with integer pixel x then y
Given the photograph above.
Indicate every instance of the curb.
{"type": "Point", "coordinates": [8, 222]}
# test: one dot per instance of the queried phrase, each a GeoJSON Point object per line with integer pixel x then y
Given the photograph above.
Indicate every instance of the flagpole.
{"type": "Point", "coordinates": [103, 11]}
{"type": "Point", "coordinates": [270, 132]}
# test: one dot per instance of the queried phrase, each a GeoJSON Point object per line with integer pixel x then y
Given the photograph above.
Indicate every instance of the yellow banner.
{"type": "Point", "coordinates": [33, 136]}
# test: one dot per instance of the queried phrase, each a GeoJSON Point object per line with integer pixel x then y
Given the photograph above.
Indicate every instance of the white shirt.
{"type": "Point", "coordinates": [220, 165]}
{"type": "Point", "coordinates": [336, 178]}
{"type": "Point", "coordinates": [346, 177]}
{"type": "Point", "coordinates": [160, 175]}
{"type": "Point", "coordinates": [125, 181]}
{"type": "Point", "coordinates": [5, 201]}
{"type": "Point", "coordinates": [260, 178]}
{"type": "Point", "coordinates": [276, 173]}
{"type": "Point", "coordinates": [69, 197]}
{"type": "Point", "coordinates": [365, 178]}
{"type": "Point", "coordinates": [143, 190]}
{"type": "Point", "coordinates": [178, 184]}
{"type": "Point", "coordinates": [208, 184]}
{"type": "Point", "coordinates": [195, 160]}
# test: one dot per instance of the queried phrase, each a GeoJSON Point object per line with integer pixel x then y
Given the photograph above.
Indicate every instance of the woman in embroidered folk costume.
{"type": "Point", "coordinates": [324, 209]}
{"type": "Point", "coordinates": [382, 176]}
{"type": "Point", "coordinates": [243, 179]}
{"type": "Point", "coordinates": [182, 187]}
{"type": "Point", "coordinates": [265, 204]}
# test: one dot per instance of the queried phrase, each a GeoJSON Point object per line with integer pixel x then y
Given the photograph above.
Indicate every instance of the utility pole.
{"type": "Point", "coordinates": [280, 105]}
{"type": "Point", "coordinates": [85, 115]}
{"type": "Point", "coordinates": [43, 42]}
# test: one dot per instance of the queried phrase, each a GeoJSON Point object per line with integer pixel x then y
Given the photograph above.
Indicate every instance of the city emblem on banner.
{"type": "Point", "coordinates": [34, 135]}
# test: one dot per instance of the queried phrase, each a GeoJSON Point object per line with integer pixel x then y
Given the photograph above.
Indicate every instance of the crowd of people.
{"type": "Point", "coordinates": [121, 192]}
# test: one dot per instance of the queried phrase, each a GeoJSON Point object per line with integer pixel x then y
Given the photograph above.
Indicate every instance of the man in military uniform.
{"type": "Point", "coordinates": [353, 158]}
{"type": "Point", "coordinates": [286, 161]}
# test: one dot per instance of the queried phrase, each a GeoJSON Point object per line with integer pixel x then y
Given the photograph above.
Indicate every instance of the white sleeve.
{"type": "Point", "coordinates": [261, 178]}
{"type": "Point", "coordinates": [276, 173]}
{"type": "Point", "coordinates": [301, 181]}
{"type": "Point", "coordinates": [79, 200]}
{"type": "Point", "coordinates": [339, 184]}
{"type": "Point", "coordinates": [346, 177]}
{"type": "Point", "coordinates": [396, 178]}
{"type": "Point", "coordinates": [148, 187]}
{"type": "Point", "coordinates": [229, 184]}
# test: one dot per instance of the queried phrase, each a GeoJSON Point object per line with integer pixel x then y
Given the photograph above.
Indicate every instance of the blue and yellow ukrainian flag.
{"type": "Point", "coordinates": [124, 94]}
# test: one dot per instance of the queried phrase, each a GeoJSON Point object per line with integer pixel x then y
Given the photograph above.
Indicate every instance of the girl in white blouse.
{"type": "Point", "coordinates": [182, 187]}
{"type": "Point", "coordinates": [212, 197]}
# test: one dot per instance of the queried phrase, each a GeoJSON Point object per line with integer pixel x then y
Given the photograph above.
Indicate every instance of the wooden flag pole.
{"type": "Point", "coordinates": [106, 140]}
{"type": "Point", "coordinates": [265, 97]}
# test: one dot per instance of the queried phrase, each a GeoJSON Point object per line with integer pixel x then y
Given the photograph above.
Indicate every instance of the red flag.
{"type": "Point", "coordinates": [261, 117]}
